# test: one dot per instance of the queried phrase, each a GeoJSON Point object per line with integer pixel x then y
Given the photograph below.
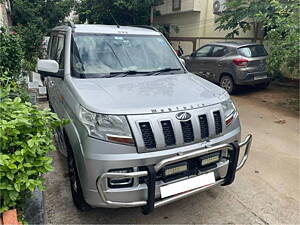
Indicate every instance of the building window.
{"type": "Point", "coordinates": [176, 5]}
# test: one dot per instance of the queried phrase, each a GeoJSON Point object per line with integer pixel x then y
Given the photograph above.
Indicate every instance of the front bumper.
{"type": "Point", "coordinates": [150, 174]}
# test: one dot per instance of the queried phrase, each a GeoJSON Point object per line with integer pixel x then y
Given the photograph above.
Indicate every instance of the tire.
{"type": "Point", "coordinates": [228, 84]}
{"type": "Point", "coordinates": [51, 107]}
{"type": "Point", "coordinates": [76, 190]}
{"type": "Point", "coordinates": [262, 85]}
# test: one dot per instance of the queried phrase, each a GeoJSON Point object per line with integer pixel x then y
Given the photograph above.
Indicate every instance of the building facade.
{"type": "Point", "coordinates": [195, 23]}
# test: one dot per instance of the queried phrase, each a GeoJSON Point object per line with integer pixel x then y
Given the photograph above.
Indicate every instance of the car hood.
{"type": "Point", "coordinates": [142, 95]}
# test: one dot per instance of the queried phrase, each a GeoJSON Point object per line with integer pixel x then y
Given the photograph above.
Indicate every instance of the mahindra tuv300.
{"type": "Point", "coordinates": [143, 131]}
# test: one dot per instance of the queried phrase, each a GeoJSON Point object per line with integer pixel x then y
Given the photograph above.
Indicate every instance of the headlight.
{"type": "Point", "coordinates": [107, 127]}
{"type": "Point", "coordinates": [230, 111]}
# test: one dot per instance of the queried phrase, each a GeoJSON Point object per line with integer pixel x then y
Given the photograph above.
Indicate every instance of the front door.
{"type": "Point", "coordinates": [213, 63]}
{"type": "Point", "coordinates": [197, 63]}
{"type": "Point", "coordinates": [55, 84]}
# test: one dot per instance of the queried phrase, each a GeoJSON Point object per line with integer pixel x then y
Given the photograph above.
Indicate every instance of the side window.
{"type": "Point", "coordinates": [57, 49]}
{"type": "Point", "coordinates": [219, 51]}
{"type": "Point", "coordinates": [60, 54]}
{"type": "Point", "coordinates": [53, 47]}
{"type": "Point", "coordinates": [204, 52]}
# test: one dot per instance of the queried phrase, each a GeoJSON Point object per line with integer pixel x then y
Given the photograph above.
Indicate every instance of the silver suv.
{"type": "Point", "coordinates": [230, 64]}
{"type": "Point", "coordinates": [143, 131]}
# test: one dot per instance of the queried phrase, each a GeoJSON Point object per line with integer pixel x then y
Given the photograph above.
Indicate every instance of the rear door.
{"type": "Point", "coordinates": [257, 60]}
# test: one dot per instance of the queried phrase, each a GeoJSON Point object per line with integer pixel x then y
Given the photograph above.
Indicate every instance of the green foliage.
{"type": "Point", "coordinates": [240, 14]}
{"type": "Point", "coordinates": [126, 12]}
{"type": "Point", "coordinates": [25, 140]}
{"type": "Point", "coordinates": [280, 21]}
{"type": "Point", "coordinates": [11, 53]}
{"type": "Point", "coordinates": [34, 19]}
{"type": "Point", "coordinates": [283, 35]}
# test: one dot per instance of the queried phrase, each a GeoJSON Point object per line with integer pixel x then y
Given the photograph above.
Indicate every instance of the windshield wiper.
{"type": "Point", "coordinates": [132, 72]}
{"type": "Point", "coordinates": [124, 73]}
{"type": "Point", "coordinates": [157, 72]}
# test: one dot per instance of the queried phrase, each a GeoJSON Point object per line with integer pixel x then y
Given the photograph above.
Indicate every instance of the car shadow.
{"type": "Point", "coordinates": [248, 90]}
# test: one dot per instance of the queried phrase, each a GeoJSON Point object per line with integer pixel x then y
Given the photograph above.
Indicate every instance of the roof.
{"type": "Point", "coordinates": [110, 29]}
{"type": "Point", "coordinates": [234, 44]}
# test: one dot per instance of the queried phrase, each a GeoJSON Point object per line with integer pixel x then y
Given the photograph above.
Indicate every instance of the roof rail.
{"type": "Point", "coordinates": [68, 23]}
{"type": "Point", "coordinates": [147, 27]}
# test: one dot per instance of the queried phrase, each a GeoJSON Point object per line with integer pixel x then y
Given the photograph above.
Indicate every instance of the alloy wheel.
{"type": "Point", "coordinates": [226, 84]}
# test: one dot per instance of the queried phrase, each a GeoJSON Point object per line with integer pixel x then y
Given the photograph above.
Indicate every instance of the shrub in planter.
{"type": "Point", "coordinates": [25, 139]}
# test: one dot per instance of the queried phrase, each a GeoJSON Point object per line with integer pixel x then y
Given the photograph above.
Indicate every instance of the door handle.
{"type": "Point", "coordinates": [51, 83]}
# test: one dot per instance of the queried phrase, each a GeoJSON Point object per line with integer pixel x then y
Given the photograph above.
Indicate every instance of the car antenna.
{"type": "Point", "coordinates": [118, 25]}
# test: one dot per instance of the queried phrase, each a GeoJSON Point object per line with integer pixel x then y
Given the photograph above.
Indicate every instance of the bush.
{"type": "Point", "coordinates": [11, 53]}
{"type": "Point", "coordinates": [25, 139]}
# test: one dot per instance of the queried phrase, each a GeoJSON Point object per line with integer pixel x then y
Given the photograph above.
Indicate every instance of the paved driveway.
{"type": "Point", "coordinates": [265, 191]}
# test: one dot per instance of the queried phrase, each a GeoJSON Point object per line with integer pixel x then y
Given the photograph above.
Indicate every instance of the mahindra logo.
{"type": "Point", "coordinates": [183, 116]}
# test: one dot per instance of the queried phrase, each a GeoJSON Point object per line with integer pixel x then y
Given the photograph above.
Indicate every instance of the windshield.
{"type": "Point", "coordinates": [96, 55]}
{"type": "Point", "coordinates": [253, 51]}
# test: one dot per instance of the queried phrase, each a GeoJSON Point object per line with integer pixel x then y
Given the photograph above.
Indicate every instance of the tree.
{"type": "Point", "coordinates": [126, 12]}
{"type": "Point", "coordinates": [11, 54]}
{"type": "Point", "coordinates": [33, 19]}
{"type": "Point", "coordinates": [280, 21]}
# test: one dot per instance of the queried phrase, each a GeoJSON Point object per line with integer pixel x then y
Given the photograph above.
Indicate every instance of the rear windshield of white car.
{"type": "Point", "coordinates": [253, 51]}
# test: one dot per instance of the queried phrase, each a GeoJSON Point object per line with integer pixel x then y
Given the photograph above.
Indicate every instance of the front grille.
{"type": "Point", "coordinates": [168, 132]}
{"type": "Point", "coordinates": [218, 122]}
{"type": "Point", "coordinates": [204, 126]}
{"type": "Point", "coordinates": [147, 135]}
{"type": "Point", "coordinates": [159, 132]}
{"type": "Point", "coordinates": [187, 131]}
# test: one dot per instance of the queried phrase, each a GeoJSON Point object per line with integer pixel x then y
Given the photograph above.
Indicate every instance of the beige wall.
{"type": "Point", "coordinates": [198, 21]}
{"type": "Point", "coordinates": [188, 23]}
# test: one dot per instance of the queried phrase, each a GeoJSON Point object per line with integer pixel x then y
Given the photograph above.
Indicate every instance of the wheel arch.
{"type": "Point", "coordinates": [226, 74]}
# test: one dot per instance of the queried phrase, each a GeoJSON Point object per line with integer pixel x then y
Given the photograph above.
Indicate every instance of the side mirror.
{"type": "Point", "coordinates": [48, 67]}
{"type": "Point", "coordinates": [193, 54]}
{"type": "Point", "coordinates": [182, 61]}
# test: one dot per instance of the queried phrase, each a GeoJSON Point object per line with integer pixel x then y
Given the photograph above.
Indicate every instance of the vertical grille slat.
{"type": "Point", "coordinates": [187, 131]}
{"type": "Point", "coordinates": [218, 122]}
{"type": "Point", "coordinates": [147, 135]}
{"type": "Point", "coordinates": [168, 132]}
{"type": "Point", "coordinates": [204, 126]}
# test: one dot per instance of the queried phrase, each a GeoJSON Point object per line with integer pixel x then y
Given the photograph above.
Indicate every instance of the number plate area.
{"type": "Point", "coordinates": [188, 168]}
{"type": "Point", "coordinates": [260, 77]}
{"type": "Point", "coordinates": [187, 185]}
